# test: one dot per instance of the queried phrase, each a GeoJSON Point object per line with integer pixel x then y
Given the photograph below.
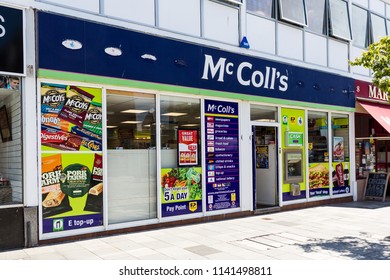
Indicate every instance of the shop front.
{"type": "Point", "coordinates": [372, 130]}
{"type": "Point", "coordinates": [138, 130]}
{"type": "Point", "coordinates": [12, 65]}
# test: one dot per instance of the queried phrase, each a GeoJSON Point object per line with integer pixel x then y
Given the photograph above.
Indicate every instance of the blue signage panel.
{"type": "Point", "coordinates": [11, 40]}
{"type": "Point", "coordinates": [148, 58]}
{"type": "Point", "coordinates": [222, 155]}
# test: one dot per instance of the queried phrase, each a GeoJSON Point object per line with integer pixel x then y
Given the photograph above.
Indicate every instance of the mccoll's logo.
{"type": "Point", "coordinates": [246, 74]}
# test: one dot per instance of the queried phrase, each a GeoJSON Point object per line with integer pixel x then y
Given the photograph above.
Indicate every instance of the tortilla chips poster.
{"type": "Point", "coordinates": [71, 157]}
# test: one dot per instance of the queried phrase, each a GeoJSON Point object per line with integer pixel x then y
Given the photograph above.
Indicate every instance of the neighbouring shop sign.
{"type": "Point", "coordinates": [11, 40]}
{"type": "Point", "coordinates": [222, 155]}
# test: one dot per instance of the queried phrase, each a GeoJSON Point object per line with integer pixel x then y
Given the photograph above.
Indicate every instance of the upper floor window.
{"type": "Point", "coordinates": [378, 28]}
{"type": "Point", "coordinates": [339, 23]}
{"type": "Point", "coordinates": [360, 26]}
{"type": "Point", "coordinates": [293, 11]}
{"type": "Point", "coordinates": [367, 27]}
{"type": "Point", "coordinates": [264, 7]}
{"type": "Point", "coordinates": [316, 15]}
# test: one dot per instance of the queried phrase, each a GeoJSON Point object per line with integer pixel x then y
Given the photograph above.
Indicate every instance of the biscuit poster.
{"type": "Point", "coordinates": [71, 158]}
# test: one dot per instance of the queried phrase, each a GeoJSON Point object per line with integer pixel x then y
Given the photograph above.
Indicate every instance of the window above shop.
{"type": "Point", "coordinates": [367, 27]}
{"type": "Point", "coordinates": [293, 11]}
{"type": "Point", "coordinates": [339, 22]}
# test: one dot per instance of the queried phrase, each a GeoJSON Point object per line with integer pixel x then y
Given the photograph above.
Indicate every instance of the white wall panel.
{"type": "Point", "coordinates": [180, 16]}
{"type": "Point", "coordinates": [261, 34]}
{"type": "Point", "coordinates": [377, 7]}
{"type": "Point", "coordinates": [88, 5]}
{"type": "Point", "coordinates": [221, 23]}
{"type": "Point", "coordinates": [290, 42]}
{"type": "Point", "coordinates": [338, 55]}
{"type": "Point", "coordinates": [315, 49]}
{"type": "Point", "coordinates": [133, 10]}
{"type": "Point", "coordinates": [356, 52]}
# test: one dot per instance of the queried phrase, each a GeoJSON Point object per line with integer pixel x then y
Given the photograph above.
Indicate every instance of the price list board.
{"type": "Point", "coordinates": [222, 155]}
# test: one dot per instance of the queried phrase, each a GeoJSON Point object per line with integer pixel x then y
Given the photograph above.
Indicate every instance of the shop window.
{"type": "Point", "coordinates": [318, 137]}
{"type": "Point", "coordinates": [316, 16]}
{"type": "Point", "coordinates": [131, 156]}
{"type": "Point", "coordinates": [11, 176]}
{"type": "Point", "coordinates": [264, 113]}
{"type": "Point", "coordinates": [264, 8]}
{"type": "Point", "coordinates": [360, 26]}
{"type": "Point", "coordinates": [181, 181]}
{"type": "Point", "coordinates": [339, 22]}
{"type": "Point", "coordinates": [340, 154]}
{"type": "Point", "coordinates": [293, 11]}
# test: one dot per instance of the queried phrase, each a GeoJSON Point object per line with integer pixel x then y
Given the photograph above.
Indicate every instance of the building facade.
{"type": "Point", "coordinates": [141, 113]}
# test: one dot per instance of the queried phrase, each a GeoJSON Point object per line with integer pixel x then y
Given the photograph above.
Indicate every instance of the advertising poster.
{"type": "Point", "coordinates": [71, 158]}
{"type": "Point", "coordinates": [318, 179]}
{"type": "Point", "coordinates": [181, 191]}
{"type": "Point", "coordinates": [222, 155]}
{"type": "Point", "coordinates": [338, 148]}
{"type": "Point", "coordinates": [262, 157]}
{"type": "Point", "coordinates": [188, 147]}
{"type": "Point", "coordinates": [340, 178]}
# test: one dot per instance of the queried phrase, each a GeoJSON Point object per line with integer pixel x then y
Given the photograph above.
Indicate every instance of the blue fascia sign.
{"type": "Point", "coordinates": [148, 58]}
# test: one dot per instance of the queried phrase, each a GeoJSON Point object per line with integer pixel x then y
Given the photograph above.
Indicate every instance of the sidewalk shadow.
{"type": "Point", "coordinates": [352, 247]}
{"type": "Point", "coordinates": [365, 204]}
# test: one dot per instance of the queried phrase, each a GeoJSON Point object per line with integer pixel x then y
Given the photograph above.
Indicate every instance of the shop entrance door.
{"type": "Point", "coordinates": [265, 167]}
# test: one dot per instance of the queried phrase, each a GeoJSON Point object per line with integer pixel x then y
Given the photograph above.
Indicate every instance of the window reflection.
{"type": "Point", "coordinates": [339, 19]}
{"type": "Point", "coordinates": [378, 28]}
{"type": "Point", "coordinates": [316, 16]}
{"type": "Point", "coordinates": [263, 7]}
{"type": "Point", "coordinates": [360, 26]}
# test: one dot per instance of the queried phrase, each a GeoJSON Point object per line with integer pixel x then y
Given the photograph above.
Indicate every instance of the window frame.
{"type": "Point", "coordinates": [371, 27]}
{"type": "Point", "coordinates": [284, 18]}
{"type": "Point", "coordinates": [331, 21]}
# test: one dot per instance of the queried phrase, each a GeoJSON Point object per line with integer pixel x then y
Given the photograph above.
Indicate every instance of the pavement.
{"type": "Point", "coordinates": [346, 231]}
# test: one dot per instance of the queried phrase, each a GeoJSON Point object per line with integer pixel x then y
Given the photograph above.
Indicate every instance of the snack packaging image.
{"type": "Point", "coordinates": [76, 106]}
{"type": "Point", "coordinates": [52, 98]}
{"type": "Point", "coordinates": [75, 180]}
{"type": "Point", "coordinates": [93, 119]}
{"type": "Point", "coordinates": [54, 201]}
{"type": "Point", "coordinates": [94, 201]}
{"type": "Point", "coordinates": [90, 140]}
{"type": "Point", "coordinates": [58, 139]}
{"type": "Point", "coordinates": [52, 120]}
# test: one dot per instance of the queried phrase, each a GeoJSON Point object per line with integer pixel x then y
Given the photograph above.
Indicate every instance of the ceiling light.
{"type": "Point", "coordinates": [134, 111]}
{"type": "Point", "coordinates": [174, 114]}
{"type": "Point", "coordinates": [113, 51]}
{"type": "Point", "coordinates": [131, 122]}
{"type": "Point", "coordinates": [190, 124]}
{"type": "Point", "coordinates": [111, 126]}
{"type": "Point", "coordinates": [72, 44]}
{"type": "Point", "coordinates": [149, 57]}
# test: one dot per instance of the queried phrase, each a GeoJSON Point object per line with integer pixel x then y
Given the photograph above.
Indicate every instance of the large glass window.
{"type": "Point", "coordinates": [293, 11]}
{"type": "Point", "coordinates": [263, 7]}
{"type": "Point", "coordinates": [131, 156]}
{"type": "Point", "coordinates": [11, 177]}
{"type": "Point", "coordinates": [316, 15]}
{"type": "Point", "coordinates": [360, 26]}
{"type": "Point", "coordinates": [340, 154]}
{"type": "Point", "coordinates": [181, 184]}
{"type": "Point", "coordinates": [339, 24]}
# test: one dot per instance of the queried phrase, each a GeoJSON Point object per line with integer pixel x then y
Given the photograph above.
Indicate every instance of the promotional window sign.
{"type": "Point", "coordinates": [72, 191]}
{"type": "Point", "coordinates": [318, 179]}
{"type": "Point", "coordinates": [181, 191]}
{"type": "Point", "coordinates": [340, 178]}
{"type": "Point", "coordinates": [72, 163]}
{"type": "Point", "coordinates": [262, 156]}
{"type": "Point", "coordinates": [188, 147]}
{"type": "Point", "coordinates": [338, 149]}
{"type": "Point", "coordinates": [222, 155]}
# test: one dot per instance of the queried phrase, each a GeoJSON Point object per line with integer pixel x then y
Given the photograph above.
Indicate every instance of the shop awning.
{"type": "Point", "coordinates": [380, 112]}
